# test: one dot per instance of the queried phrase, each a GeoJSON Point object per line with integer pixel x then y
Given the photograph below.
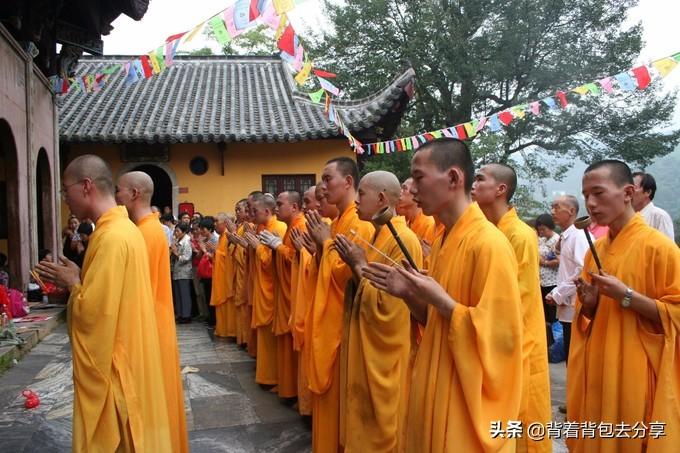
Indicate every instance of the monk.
{"type": "Point", "coordinates": [288, 211]}
{"type": "Point", "coordinates": [222, 293]}
{"type": "Point", "coordinates": [625, 339]}
{"type": "Point", "coordinates": [119, 390]}
{"type": "Point", "coordinates": [493, 189]}
{"type": "Point", "coordinates": [250, 227]}
{"type": "Point", "coordinates": [323, 328]}
{"type": "Point", "coordinates": [238, 255]}
{"type": "Point", "coordinates": [263, 265]}
{"type": "Point", "coordinates": [134, 191]}
{"type": "Point", "coordinates": [468, 369]}
{"type": "Point", "coordinates": [421, 224]}
{"type": "Point", "coordinates": [377, 340]}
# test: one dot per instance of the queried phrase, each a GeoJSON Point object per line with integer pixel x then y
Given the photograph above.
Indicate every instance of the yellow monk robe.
{"type": "Point", "coordinates": [159, 270]}
{"type": "Point", "coordinates": [623, 368]}
{"type": "Point", "coordinates": [119, 395]}
{"type": "Point", "coordinates": [376, 348]}
{"type": "Point", "coordinates": [535, 406]}
{"type": "Point", "coordinates": [240, 296]}
{"type": "Point", "coordinates": [423, 226]}
{"type": "Point", "coordinates": [323, 333]}
{"type": "Point", "coordinates": [304, 278]}
{"type": "Point", "coordinates": [468, 370]}
{"type": "Point", "coordinates": [230, 270]}
{"type": "Point", "coordinates": [249, 287]}
{"type": "Point", "coordinates": [263, 305]}
{"type": "Point", "coordinates": [287, 364]}
{"type": "Point", "coordinates": [222, 288]}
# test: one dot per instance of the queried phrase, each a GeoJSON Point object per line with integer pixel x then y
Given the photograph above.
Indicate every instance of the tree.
{"type": "Point", "coordinates": [256, 41]}
{"type": "Point", "coordinates": [476, 58]}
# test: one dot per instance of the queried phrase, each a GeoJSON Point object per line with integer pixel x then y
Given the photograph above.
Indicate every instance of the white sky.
{"type": "Point", "coordinates": [167, 17]}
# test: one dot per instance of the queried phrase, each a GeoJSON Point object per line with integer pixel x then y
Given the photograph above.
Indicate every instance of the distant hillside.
{"type": "Point", "coordinates": [666, 171]}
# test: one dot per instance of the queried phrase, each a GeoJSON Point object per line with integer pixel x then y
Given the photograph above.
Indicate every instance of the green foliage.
{"type": "Point", "coordinates": [202, 52]}
{"type": "Point", "coordinates": [476, 58]}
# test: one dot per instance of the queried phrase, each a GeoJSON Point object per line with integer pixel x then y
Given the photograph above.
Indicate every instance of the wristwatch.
{"type": "Point", "coordinates": [627, 298]}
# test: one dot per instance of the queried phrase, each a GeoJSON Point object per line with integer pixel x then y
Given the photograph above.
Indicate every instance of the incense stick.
{"type": "Point", "coordinates": [38, 280]}
{"type": "Point", "coordinates": [354, 233]}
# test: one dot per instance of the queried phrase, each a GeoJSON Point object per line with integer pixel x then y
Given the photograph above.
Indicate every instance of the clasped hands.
{"type": "Point", "coordinates": [604, 284]}
{"type": "Point", "coordinates": [64, 274]}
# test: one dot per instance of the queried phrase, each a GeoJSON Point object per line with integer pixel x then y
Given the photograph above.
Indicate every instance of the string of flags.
{"type": "Point", "coordinates": [637, 78]}
{"type": "Point", "coordinates": [244, 14]}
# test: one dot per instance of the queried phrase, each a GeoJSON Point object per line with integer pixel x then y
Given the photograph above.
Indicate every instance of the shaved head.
{"type": "Point", "coordinates": [619, 172]}
{"type": "Point", "coordinates": [309, 200]}
{"type": "Point", "coordinates": [91, 167]}
{"type": "Point", "coordinates": [294, 198]}
{"type": "Point", "coordinates": [504, 174]}
{"type": "Point", "coordinates": [386, 182]}
{"type": "Point", "coordinates": [140, 181]}
{"type": "Point", "coordinates": [445, 153]}
{"type": "Point", "coordinates": [569, 201]}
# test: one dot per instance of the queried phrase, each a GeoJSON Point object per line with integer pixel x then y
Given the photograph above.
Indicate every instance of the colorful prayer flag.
{"type": "Point", "coordinates": [561, 95]}
{"type": "Point", "coordinates": [287, 41]}
{"type": "Point", "coordinates": [606, 84]}
{"type": "Point", "coordinates": [192, 34]}
{"type": "Point", "coordinates": [303, 75]}
{"type": "Point", "coordinates": [625, 81]}
{"type": "Point", "coordinates": [505, 117]}
{"type": "Point", "coordinates": [641, 74]}
{"type": "Point", "coordinates": [326, 85]}
{"type": "Point", "coordinates": [494, 123]}
{"type": "Point", "coordinates": [325, 74]}
{"type": "Point", "coordinates": [283, 6]}
{"type": "Point", "coordinates": [664, 66]}
{"type": "Point", "coordinates": [219, 30]}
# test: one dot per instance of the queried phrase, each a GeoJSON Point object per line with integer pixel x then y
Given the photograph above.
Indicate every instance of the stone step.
{"type": "Point", "coordinates": [31, 333]}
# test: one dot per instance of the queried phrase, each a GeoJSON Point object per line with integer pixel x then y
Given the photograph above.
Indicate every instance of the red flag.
{"type": "Point", "coordinates": [287, 41]}
{"type": "Point", "coordinates": [461, 132]}
{"type": "Point", "coordinates": [254, 10]}
{"type": "Point", "coordinates": [322, 73]}
{"type": "Point", "coordinates": [505, 117]}
{"type": "Point", "coordinates": [146, 66]}
{"type": "Point", "coordinates": [563, 98]}
{"type": "Point", "coordinates": [642, 75]}
{"type": "Point", "coordinates": [399, 148]}
{"type": "Point", "coordinates": [173, 37]}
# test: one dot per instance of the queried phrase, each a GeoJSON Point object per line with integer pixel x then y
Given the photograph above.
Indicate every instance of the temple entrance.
{"type": "Point", "coordinates": [43, 200]}
{"type": "Point", "coordinates": [162, 185]}
{"type": "Point", "coordinates": [9, 203]}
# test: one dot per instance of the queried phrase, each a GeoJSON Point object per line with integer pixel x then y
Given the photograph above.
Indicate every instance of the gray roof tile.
{"type": "Point", "coordinates": [216, 99]}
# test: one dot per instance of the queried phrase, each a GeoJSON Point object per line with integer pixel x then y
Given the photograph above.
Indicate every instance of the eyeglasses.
{"type": "Point", "coordinates": [64, 190]}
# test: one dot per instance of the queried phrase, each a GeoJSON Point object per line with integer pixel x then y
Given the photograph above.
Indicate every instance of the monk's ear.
{"type": "Point", "coordinates": [628, 191]}
{"type": "Point", "coordinates": [502, 189]}
{"type": "Point", "coordinates": [455, 177]}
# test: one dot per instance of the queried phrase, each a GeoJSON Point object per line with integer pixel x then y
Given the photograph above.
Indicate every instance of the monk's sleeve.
{"type": "Point", "coordinates": [286, 252]}
{"type": "Point", "coordinates": [95, 304]}
{"type": "Point", "coordinates": [485, 340]}
{"type": "Point", "coordinates": [264, 256]}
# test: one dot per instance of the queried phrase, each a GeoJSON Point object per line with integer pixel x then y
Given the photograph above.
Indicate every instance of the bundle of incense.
{"type": "Point", "coordinates": [354, 234]}
{"type": "Point", "coordinates": [39, 281]}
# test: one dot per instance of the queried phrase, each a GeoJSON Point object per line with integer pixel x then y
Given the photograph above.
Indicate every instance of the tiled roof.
{"type": "Point", "coordinates": [217, 99]}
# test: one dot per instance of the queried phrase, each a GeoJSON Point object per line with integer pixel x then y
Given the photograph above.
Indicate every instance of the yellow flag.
{"type": "Point", "coordinates": [665, 66]}
{"type": "Point", "coordinates": [582, 90]}
{"type": "Point", "coordinates": [302, 76]}
{"type": "Point", "coordinates": [283, 6]}
{"type": "Point", "coordinates": [154, 62]}
{"type": "Point", "coordinates": [282, 27]}
{"type": "Point", "coordinates": [470, 129]}
{"type": "Point", "coordinates": [192, 34]}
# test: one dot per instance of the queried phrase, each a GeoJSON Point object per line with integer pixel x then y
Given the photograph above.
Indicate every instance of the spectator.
{"type": "Point", "coordinates": [168, 222]}
{"type": "Point", "coordinates": [549, 261]}
{"type": "Point", "coordinates": [645, 188]}
{"type": "Point", "coordinates": [181, 273]}
{"type": "Point", "coordinates": [208, 246]}
{"type": "Point", "coordinates": [185, 217]}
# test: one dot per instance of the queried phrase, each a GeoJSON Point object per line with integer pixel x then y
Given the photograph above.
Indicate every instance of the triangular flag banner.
{"type": "Point", "coordinates": [454, 132]}
{"type": "Point", "coordinates": [287, 41]}
{"type": "Point", "coordinates": [470, 129]}
{"type": "Point", "coordinates": [592, 88]}
{"type": "Point", "coordinates": [563, 98]}
{"type": "Point", "coordinates": [447, 133]}
{"type": "Point", "coordinates": [550, 102]}
{"type": "Point", "coordinates": [481, 124]}
{"type": "Point", "coordinates": [414, 143]}
{"type": "Point", "coordinates": [146, 66]}
{"type": "Point", "coordinates": [171, 44]}
{"type": "Point", "coordinates": [270, 18]}
{"type": "Point", "coordinates": [159, 58]}
{"type": "Point", "coordinates": [316, 96]}
{"type": "Point", "coordinates": [283, 6]}
{"type": "Point", "coordinates": [303, 75]}
{"type": "Point", "coordinates": [505, 117]}
{"type": "Point", "coordinates": [138, 68]}
{"type": "Point", "coordinates": [664, 66]}
{"type": "Point", "coordinates": [494, 123]}
{"type": "Point", "coordinates": [641, 74]}
{"type": "Point", "coordinates": [192, 34]}
{"type": "Point", "coordinates": [535, 107]}
{"type": "Point", "coordinates": [676, 57]}
{"type": "Point", "coordinates": [606, 84]}
{"type": "Point", "coordinates": [154, 63]}
{"type": "Point", "coordinates": [229, 22]}
{"type": "Point", "coordinates": [460, 130]}
{"type": "Point", "coordinates": [519, 111]}
{"type": "Point", "coordinates": [325, 74]}
{"type": "Point", "coordinates": [219, 30]}
{"type": "Point", "coordinates": [131, 75]}
{"type": "Point", "coordinates": [582, 90]}
{"type": "Point", "coordinates": [436, 134]}
{"type": "Point", "coordinates": [625, 81]}
{"type": "Point", "coordinates": [256, 8]}
{"type": "Point", "coordinates": [326, 85]}
{"type": "Point", "coordinates": [242, 14]}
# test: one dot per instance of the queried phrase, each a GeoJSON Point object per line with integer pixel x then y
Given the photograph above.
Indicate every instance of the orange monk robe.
{"type": "Point", "coordinates": [249, 291]}
{"type": "Point", "coordinates": [230, 271]}
{"type": "Point", "coordinates": [304, 278]}
{"type": "Point", "coordinates": [287, 358]}
{"type": "Point", "coordinates": [159, 270]}
{"type": "Point", "coordinates": [263, 305]}
{"type": "Point", "coordinates": [240, 296]}
{"type": "Point", "coordinates": [222, 288]}
{"type": "Point", "coordinates": [536, 406]}
{"type": "Point", "coordinates": [423, 226]}
{"type": "Point", "coordinates": [323, 332]}
{"type": "Point", "coordinates": [376, 348]}
{"type": "Point", "coordinates": [623, 368]}
{"type": "Point", "coordinates": [468, 370]}
{"type": "Point", "coordinates": [119, 391]}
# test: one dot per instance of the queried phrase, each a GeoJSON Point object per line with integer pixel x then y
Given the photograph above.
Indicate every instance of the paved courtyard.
{"type": "Point", "coordinates": [226, 410]}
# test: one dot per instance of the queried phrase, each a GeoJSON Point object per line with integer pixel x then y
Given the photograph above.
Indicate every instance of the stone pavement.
{"type": "Point", "coordinates": [226, 410]}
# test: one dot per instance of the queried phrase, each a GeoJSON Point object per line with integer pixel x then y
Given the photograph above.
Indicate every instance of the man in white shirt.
{"type": "Point", "coordinates": [645, 188]}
